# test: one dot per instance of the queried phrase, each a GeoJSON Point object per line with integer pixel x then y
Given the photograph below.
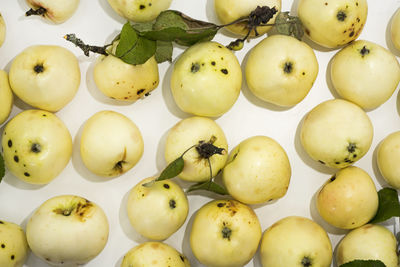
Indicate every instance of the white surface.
{"type": "Point", "coordinates": [96, 23]}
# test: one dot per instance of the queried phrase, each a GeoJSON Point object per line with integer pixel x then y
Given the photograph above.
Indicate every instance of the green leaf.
{"type": "Point", "coordinates": [172, 170]}
{"type": "Point", "coordinates": [289, 25]}
{"type": "Point", "coordinates": [164, 51]}
{"type": "Point", "coordinates": [127, 40]}
{"type": "Point", "coordinates": [208, 186]}
{"type": "Point", "coordinates": [143, 26]}
{"type": "Point", "coordinates": [2, 168]}
{"type": "Point", "coordinates": [389, 205]}
{"type": "Point", "coordinates": [364, 263]}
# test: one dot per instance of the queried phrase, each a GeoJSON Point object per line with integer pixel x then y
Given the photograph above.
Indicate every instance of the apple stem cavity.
{"type": "Point", "coordinates": [86, 48]}
{"type": "Point", "coordinates": [306, 262]}
{"type": "Point", "coordinates": [38, 12]}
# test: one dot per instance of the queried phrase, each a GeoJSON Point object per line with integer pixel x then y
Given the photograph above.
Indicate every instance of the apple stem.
{"type": "Point", "coordinates": [38, 12]}
{"type": "Point", "coordinates": [86, 48]}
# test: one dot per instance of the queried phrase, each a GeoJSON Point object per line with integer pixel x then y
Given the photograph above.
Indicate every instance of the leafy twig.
{"type": "Point", "coordinates": [86, 48]}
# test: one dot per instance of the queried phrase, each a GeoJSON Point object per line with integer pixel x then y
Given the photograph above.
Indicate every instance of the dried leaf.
{"type": "Point", "coordinates": [289, 25]}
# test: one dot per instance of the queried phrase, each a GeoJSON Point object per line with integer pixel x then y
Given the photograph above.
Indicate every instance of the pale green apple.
{"type": "Point", "coordinates": [38, 76]}
{"type": "Point", "coordinates": [281, 70]}
{"type": "Point", "coordinates": [225, 233]}
{"type": "Point", "coordinates": [67, 230]}
{"type": "Point", "coordinates": [14, 249]}
{"type": "Point", "coordinates": [231, 10]}
{"type": "Point", "coordinates": [37, 146]}
{"type": "Point", "coordinates": [365, 73]}
{"type": "Point", "coordinates": [336, 133]}
{"type": "Point", "coordinates": [296, 242]}
{"type": "Point", "coordinates": [348, 199]}
{"type": "Point", "coordinates": [206, 79]}
{"type": "Point", "coordinates": [139, 10]}
{"type": "Point", "coordinates": [395, 29]}
{"type": "Point", "coordinates": [333, 23]}
{"type": "Point", "coordinates": [388, 155]}
{"type": "Point", "coordinates": [258, 170]}
{"type": "Point", "coordinates": [57, 11]}
{"type": "Point", "coordinates": [155, 254]}
{"type": "Point", "coordinates": [2, 30]}
{"type": "Point", "coordinates": [6, 97]}
{"type": "Point", "coordinates": [159, 210]}
{"type": "Point", "coordinates": [186, 134]}
{"type": "Point", "coordinates": [369, 242]}
{"type": "Point", "coordinates": [111, 144]}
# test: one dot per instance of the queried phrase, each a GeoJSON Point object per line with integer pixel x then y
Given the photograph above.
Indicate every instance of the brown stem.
{"type": "Point", "coordinates": [86, 48]}
{"type": "Point", "coordinates": [38, 12]}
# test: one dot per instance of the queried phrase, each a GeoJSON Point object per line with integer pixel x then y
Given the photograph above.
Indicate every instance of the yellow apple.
{"type": "Point", "coordinates": [14, 248]}
{"type": "Point", "coordinates": [2, 30]}
{"type": "Point", "coordinates": [395, 29]}
{"type": "Point", "coordinates": [6, 97]}
{"type": "Point", "coordinates": [139, 10]}
{"type": "Point", "coordinates": [57, 11]}
{"type": "Point", "coordinates": [388, 155]}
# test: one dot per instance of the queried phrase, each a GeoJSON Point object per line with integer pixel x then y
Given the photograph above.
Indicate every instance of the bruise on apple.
{"type": "Point", "coordinates": [80, 210]}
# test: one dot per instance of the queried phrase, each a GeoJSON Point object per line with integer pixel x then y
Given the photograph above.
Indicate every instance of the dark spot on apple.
{"type": "Point", "coordinates": [36, 148]}
{"type": "Point", "coordinates": [182, 258]}
{"type": "Point", "coordinates": [9, 143]}
{"type": "Point", "coordinates": [1, 222]}
{"type": "Point", "coordinates": [172, 204]}
{"type": "Point", "coordinates": [38, 68]}
{"type": "Point", "coordinates": [288, 67]}
{"type": "Point", "coordinates": [138, 92]}
{"type": "Point", "coordinates": [356, 3]}
{"type": "Point", "coordinates": [306, 262]}
{"type": "Point", "coordinates": [220, 205]}
{"type": "Point", "coordinates": [213, 63]}
{"type": "Point", "coordinates": [118, 166]}
{"type": "Point", "coordinates": [27, 174]}
{"type": "Point", "coordinates": [358, 20]}
{"type": "Point", "coordinates": [351, 147]}
{"type": "Point", "coordinates": [326, 3]}
{"type": "Point", "coordinates": [166, 186]}
{"type": "Point", "coordinates": [303, 73]}
{"type": "Point", "coordinates": [47, 259]}
{"type": "Point", "coordinates": [341, 15]}
{"type": "Point", "coordinates": [351, 34]}
{"type": "Point", "coordinates": [333, 178]}
{"type": "Point", "coordinates": [3, 246]}
{"type": "Point", "coordinates": [354, 155]}
{"type": "Point", "coordinates": [226, 233]}
{"type": "Point", "coordinates": [364, 51]}
{"type": "Point", "coordinates": [12, 257]}
{"type": "Point", "coordinates": [44, 115]}
{"type": "Point", "coordinates": [147, 94]}
{"type": "Point", "coordinates": [142, 7]}
{"type": "Point", "coordinates": [224, 71]}
{"type": "Point", "coordinates": [320, 161]}
{"type": "Point", "coordinates": [219, 46]}
{"type": "Point", "coordinates": [337, 162]}
{"type": "Point", "coordinates": [195, 67]}
{"type": "Point", "coordinates": [307, 31]}
{"type": "Point", "coordinates": [16, 159]}
{"type": "Point", "coordinates": [149, 4]}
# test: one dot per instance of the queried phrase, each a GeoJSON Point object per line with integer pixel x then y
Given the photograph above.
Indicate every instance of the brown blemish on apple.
{"type": "Point", "coordinates": [224, 71]}
{"type": "Point", "coordinates": [9, 143]}
{"type": "Point", "coordinates": [195, 67]}
{"type": "Point", "coordinates": [142, 7]}
{"type": "Point", "coordinates": [138, 92]}
{"type": "Point", "coordinates": [155, 246]}
{"type": "Point", "coordinates": [172, 204]}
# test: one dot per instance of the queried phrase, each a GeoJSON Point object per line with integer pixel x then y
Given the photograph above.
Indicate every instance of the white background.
{"type": "Point", "coordinates": [96, 23]}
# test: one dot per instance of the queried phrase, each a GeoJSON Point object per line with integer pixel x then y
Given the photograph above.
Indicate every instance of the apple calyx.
{"type": "Point", "coordinates": [38, 68]}
{"type": "Point", "coordinates": [36, 148]}
{"type": "Point", "coordinates": [226, 232]}
{"type": "Point", "coordinates": [364, 51]}
{"type": "Point", "coordinates": [341, 15]}
{"type": "Point", "coordinates": [80, 210]}
{"type": "Point", "coordinates": [41, 11]}
{"type": "Point", "coordinates": [119, 165]}
{"type": "Point", "coordinates": [306, 262]}
{"type": "Point", "coordinates": [288, 67]}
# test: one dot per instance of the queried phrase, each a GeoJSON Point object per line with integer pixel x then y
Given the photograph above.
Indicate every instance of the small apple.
{"type": "Point", "coordinates": [296, 242]}
{"type": "Point", "coordinates": [168, 212]}
{"type": "Point", "coordinates": [38, 76]}
{"type": "Point", "coordinates": [2, 30]}
{"type": "Point", "coordinates": [139, 10]}
{"type": "Point", "coordinates": [365, 73]}
{"type": "Point", "coordinates": [67, 230]}
{"type": "Point", "coordinates": [258, 170]}
{"type": "Point", "coordinates": [395, 29]}
{"type": "Point", "coordinates": [13, 246]}
{"type": "Point", "coordinates": [6, 97]}
{"type": "Point", "coordinates": [37, 146]}
{"type": "Point", "coordinates": [187, 134]}
{"type": "Point", "coordinates": [333, 23]}
{"type": "Point", "coordinates": [369, 242]}
{"type": "Point", "coordinates": [348, 199]}
{"type": "Point", "coordinates": [154, 254]}
{"type": "Point", "coordinates": [231, 10]}
{"type": "Point", "coordinates": [111, 144]}
{"type": "Point", "coordinates": [206, 79]}
{"type": "Point", "coordinates": [225, 233]}
{"type": "Point", "coordinates": [336, 133]}
{"type": "Point", "coordinates": [281, 70]}
{"type": "Point", "coordinates": [388, 155]}
{"type": "Point", "coordinates": [58, 11]}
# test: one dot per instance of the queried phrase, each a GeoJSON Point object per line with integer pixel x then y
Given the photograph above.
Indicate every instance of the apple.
{"type": "Point", "coordinates": [154, 254]}
{"type": "Point", "coordinates": [37, 146]}
{"type": "Point", "coordinates": [281, 70]}
{"type": "Point", "coordinates": [295, 241]}
{"type": "Point", "coordinates": [14, 248]}
{"type": "Point", "coordinates": [168, 208]}
{"type": "Point", "coordinates": [111, 144]}
{"type": "Point", "coordinates": [206, 79]}
{"type": "Point", "coordinates": [388, 155]}
{"type": "Point", "coordinates": [58, 11]}
{"type": "Point", "coordinates": [188, 133]}
{"type": "Point", "coordinates": [231, 10]}
{"type": "Point", "coordinates": [225, 233]}
{"type": "Point", "coordinates": [139, 10]}
{"type": "Point", "coordinates": [258, 170]}
{"type": "Point", "coordinates": [348, 199]}
{"type": "Point", "coordinates": [333, 23]}
{"type": "Point", "coordinates": [38, 76]}
{"type": "Point", "coordinates": [6, 97]}
{"type": "Point", "coordinates": [369, 242]}
{"type": "Point", "coordinates": [395, 29]}
{"type": "Point", "coordinates": [365, 73]}
{"type": "Point", "coordinates": [2, 30]}
{"type": "Point", "coordinates": [336, 133]}
{"type": "Point", "coordinates": [67, 230]}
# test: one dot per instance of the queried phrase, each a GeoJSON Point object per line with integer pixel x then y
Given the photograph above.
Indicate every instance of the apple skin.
{"type": "Point", "coordinates": [38, 70]}
{"type": "Point", "coordinates": [168, 212]}
{"type": "Point", "coordinates": [365, 73]}
{"type": "Point", "coordinates": [67, 230]}
{"type": "Point", "coordinates": [295, 241]}
{"type": "Point", "coordinates": [14, 248]}
{"type": "Point", "coordinates": [122, 81]}
{"type": "Point", "coordinates": [333, 23]}
{"type": "Point", "coordinates": [2, 30]}
{"type": "Point", "coordinates": [395, 29]}
{"type": "Point", "coordinates": [388, 155]}
{"type": "Point", "coordinates": [6, 97]}
{"type": "Point", "coordinates": [258, 170]}
{"type": "Point", "coordinates": [231, 10]}
{"type": "Point", "coordinates": [37, 146]}
{"type": "Point", "coordinates": [288, 74]}
{"type": "Point", "coordinates": [369, 242]}
{"type": "Point", "coordinates": [189, 132]}
{"type": "Point", "coordinates": [225, 233]}
{"type": "Point", "coordinates": [155, 254]}
{"type": "Point", "coordinates": [206, 79]}
{"type": "Point", "coordinates": [139, 10]}
{"type": "Point", "coordinates": [57, 11]}
{"type": "Point", "coordinates": [348, 199]}
{"type": "Point", "coordinates": [111, 144]}
{"type": "Point", "coordinates": [336, 133]}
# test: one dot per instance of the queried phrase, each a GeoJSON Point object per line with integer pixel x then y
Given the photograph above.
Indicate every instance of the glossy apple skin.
{"type": "Point", "coordinates": [57, 11]}
{"type": "Point", "coordinates": [395, 29]}
{"type": "Point", "coordinates": [369, 242]}
{"type": "Point", "coordinates": [2, 30]}
{"type": "Point", "coordinates": [333, 23]}
{"type": "Point", "coordinates": [293, 241]}
{"type": "Point", "coordinates": [139, 10]}
{"type": "Point", "coordinates": [281, 70]}
{"type": "Point", "coordinates": [388, 156]}
{"type": "Point", "coordinates": [37, 146]}
{"type": "Point", "coordinates": [6, 97]}
{"type": "Point", "coordinates": [14, 247]}
{"type": "Point", "coordinates": [225, 233]}
{"type": "Point", "coordinates": [365, 73]}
